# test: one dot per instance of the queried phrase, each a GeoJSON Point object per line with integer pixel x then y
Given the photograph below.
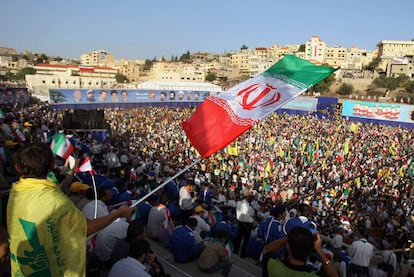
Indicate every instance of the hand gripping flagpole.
{"type": "Point", "coordinates": [166, 182]}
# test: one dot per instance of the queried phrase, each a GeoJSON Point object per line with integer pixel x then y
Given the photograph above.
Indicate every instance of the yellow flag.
{"type": "Point", "coordinates": [346, 147]}
{"type": "Point", "coordinates": [268, 167]}
{"type": "Point", "coordinates": [45, 239]}
{"type": "Point", "coordinates": [354, 127]}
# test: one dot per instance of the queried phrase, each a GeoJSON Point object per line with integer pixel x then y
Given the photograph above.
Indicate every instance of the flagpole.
{"type": "Point", "coordinates": [165, 182]}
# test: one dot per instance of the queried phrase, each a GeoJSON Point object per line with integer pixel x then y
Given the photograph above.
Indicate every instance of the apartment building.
{"type": "Point", "coordinates": [315, 50]}
{"type": "Point", "coordinates": [97, 58]}
{"type": "Point", "coordinates": [390, 49]}
{"type": "Point", "coordinates": [177, 72]}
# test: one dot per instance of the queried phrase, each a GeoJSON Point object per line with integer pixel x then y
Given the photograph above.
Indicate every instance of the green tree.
{"type": "Point", "coordinates": [148, 65]}
{"type": "Point", "coordinates": [324, 85]}
{"type": "Point", "coordinates": [244, 47]}
{"type": "Point", "coordinates": [345, 89]}
{"type": "Point", "coordinates": [302, 48]}
{"type": "Point", "coordinates": [186, 57]}
{"type": "Point", "coordinates": [211, 76]}
{"type": "Point", "coordinates": [410, 87]}
{"type": "Point", "coordinates": [21, 75]}
{"type": "Point", "coordinates": [42, 59]}
{"type": "Point", "coordinates": [373, 64]}
{"type": "Point", "coordinates": [120, 78]}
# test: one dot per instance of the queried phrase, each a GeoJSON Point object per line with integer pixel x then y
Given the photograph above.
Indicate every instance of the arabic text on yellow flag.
{"type": "Point", "coordinates": [232, 150]}
{"type": "Point", "coordinates": [47, 232]}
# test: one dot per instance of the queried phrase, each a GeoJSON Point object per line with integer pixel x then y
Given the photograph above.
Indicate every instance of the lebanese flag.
{"type": "Point", "coordinates": [19, 135]}
{"type": "Point", "coordinates": [220, 119]}
{"type": "Point", "coordinates": [85, 166]}
{"type": "Point", "coordinates": [61, 146]}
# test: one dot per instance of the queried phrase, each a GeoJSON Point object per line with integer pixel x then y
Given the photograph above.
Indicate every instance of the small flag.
{"type": "Point", "coordinates": [133, 174]}
{"type": "Point", "coordinates": [85, 166]}
{"type": "Point", "coordinates": [222, 118]}
{"type": "Point", "coordinates": [2, 114]}
{"type": "Point", "coordinates": [61, 146]}
{"type": "Point", "coordinates": [19, 135]}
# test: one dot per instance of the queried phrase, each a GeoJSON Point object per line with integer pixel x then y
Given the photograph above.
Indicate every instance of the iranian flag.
{"type": "Point", "coordinates": [19, 135]}
{"type": "Point", "coordinates": [222, 118]}
{"type": "Point", "coordinates": [61, 146]}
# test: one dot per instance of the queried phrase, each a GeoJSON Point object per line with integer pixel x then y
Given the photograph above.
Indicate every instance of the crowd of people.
{"type": "Point", "coordinates": [346, 181]}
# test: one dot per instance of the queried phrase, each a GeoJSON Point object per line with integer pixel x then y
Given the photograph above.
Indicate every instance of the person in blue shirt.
{"type": "Point", "coordinates": [271, 228]}
{"type": "Point", "coordinates": [129, 194]}
{"type": "Point", "coordinates": [183, 245]}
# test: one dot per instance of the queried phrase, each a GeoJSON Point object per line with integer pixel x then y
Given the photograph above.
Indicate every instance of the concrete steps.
{"type": "Point", "coordinates": [242, 267]}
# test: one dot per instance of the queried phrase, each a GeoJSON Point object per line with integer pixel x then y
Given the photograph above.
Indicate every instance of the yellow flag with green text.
{"type": "Point", "coordinates": [47, 232]}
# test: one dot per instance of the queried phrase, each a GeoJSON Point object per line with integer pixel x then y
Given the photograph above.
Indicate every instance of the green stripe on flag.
{"type": "Point", "coordinates": [298, 72]}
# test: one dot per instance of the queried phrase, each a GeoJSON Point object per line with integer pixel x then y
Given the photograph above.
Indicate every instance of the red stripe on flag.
{"type": "Point", "coordinates": [211, 128]}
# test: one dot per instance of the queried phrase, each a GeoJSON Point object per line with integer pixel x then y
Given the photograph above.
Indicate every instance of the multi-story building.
{"type": "Point", "coordinates": [97, 58]}
{"type": "Point", "coordinates": [315, 49]}
{"type": "Point", "coordinates": [172, 71]}
{"type": "Point", "coordinates": [336, 56]}
{"type": "Point", "coordinates": [390, 49]}
{"type": "Point", "coordinates": [69, 76]}
{"type": "Point", "coordinates": [132, 69]}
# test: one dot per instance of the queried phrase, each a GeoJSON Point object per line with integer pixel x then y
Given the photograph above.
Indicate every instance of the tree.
{"type": "Point", "coordinates": [186, 57]}
{"type": "Point", "coordinates": [244, 47]}
{"type": "Point", "coordinates": [211, 76]}
{"type": "Point", "coordinates": [21, 75]}
{"type": "Point", "coordinates": [42, 59]}
{"type": "Point", "coordinates": [345, 89]}
{"type": "Point", "coordinates": [324, 85]}
{"type": "Point", "coordinates": [120, 78]}
{"type": "Point", "coordinates": [148, 65]}
{"type": "Point", "coordinates": [373, 64]}
{"type": "Point", "coordinates": [302, 48]}
{"type": "Point", "coordinates": [410, 87]}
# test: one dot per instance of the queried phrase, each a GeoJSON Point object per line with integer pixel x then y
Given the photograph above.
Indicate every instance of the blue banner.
{"type": "Point", "coordinates": [81, 98]}
{"type": "Point", "coordinates": [378, 111]}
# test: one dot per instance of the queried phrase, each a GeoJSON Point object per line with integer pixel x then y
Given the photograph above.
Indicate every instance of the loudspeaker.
{"type": "Point", "coordinates": [84, 119]}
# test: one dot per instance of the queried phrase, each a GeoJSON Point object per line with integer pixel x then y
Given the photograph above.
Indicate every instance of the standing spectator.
{"type": "Point", "coordinates": [361, 252]}
{"type": "Point", "coordinates": [205, 195]}
{"type": "Point", "coordinates": [214, 257]}
{"type": "Point", "coordinates": [336, 242]}
{"type": "Point", "coordinates": [271, 228]}
{"type": "Point", "coordinates": [186, 200]}
{"type": "Point", "coordinates": [245, 218]}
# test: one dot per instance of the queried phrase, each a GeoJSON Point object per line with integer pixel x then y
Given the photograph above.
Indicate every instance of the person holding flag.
{"type": "Point", "coordinates": [40, 218]}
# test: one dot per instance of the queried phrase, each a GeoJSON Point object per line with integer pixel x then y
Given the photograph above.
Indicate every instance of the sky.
{"type": "Point", "coordinates": [138, 29]}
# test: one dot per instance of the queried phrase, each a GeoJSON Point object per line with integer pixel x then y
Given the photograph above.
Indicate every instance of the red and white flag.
{"type": "Point", "coordinates": [220, 119]}
{"type": "Point", "coordinates": [85, 166]}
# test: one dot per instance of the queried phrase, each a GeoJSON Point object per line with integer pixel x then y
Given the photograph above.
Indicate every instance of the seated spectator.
{"type": "Point", "coordinates": [104, 195]}
{"type": "Point", "coordinates": [77, 191]}
{"type": "Point", "coordinates": [159, 215]}
{"type": "Point", "coordinates": [145, 207]}
{"type": "Point", "coordinates": [301, 244]}
{"type": "Point", "coordinates": [183, 245]}
{"type": "Point", "coordinates": [134, 264]}
{"type": "Point", "coordinates": [135, 231]}
{"type": "Point", "coordinates": [129, 194]}
{"type": "Point", "coordinates": [107, 238]}
{"type": "Point", "coordinates": [214, 257]}
{"type": "Point", "coordinates": [202, 228]}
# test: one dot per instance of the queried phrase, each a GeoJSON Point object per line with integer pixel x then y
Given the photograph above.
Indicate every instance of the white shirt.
{"type": "Point", "coordinates": [337, 240]}
{"type": "Point", "coordinates": [89, 209]}
{"type": "Point", "coordinates": [128, 267]}
{"type": "Point", "coordinates": [202, 225]}
{"type": "Point", "coordinates": [185, 201]}
{"type": "Point", "coordinates": [108, 237]}
{"type": "Point", "coordinates": [361, 252]}
{"type": "Point", "coordinates": [244, 212]}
